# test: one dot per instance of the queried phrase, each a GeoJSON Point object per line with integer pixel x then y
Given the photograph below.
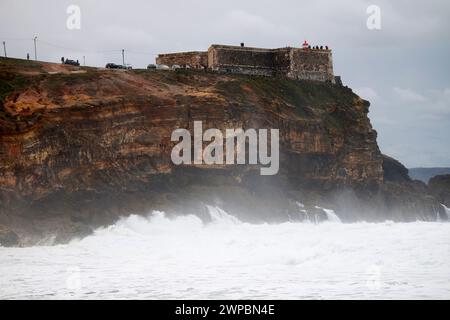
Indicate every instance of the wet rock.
{"type": "Point", "coordinates": [8, 238]}
{"type": "Point", "coordinates": [440, 187]}
{"type": "Point", "coordinates": [80, 150]}
{"type": "Point", "coordinates": [393, 170]}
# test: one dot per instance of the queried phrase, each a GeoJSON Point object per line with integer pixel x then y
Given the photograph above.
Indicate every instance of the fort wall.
{"type": "Point", "coordinates": [282, 61]}
{"type": "Point", "coordinates": [194, 59]}
{"type": "Point", "coordinates": [241, 60]}
{"type": "Point", "coordinates": [294, 63]}
{"type": "Point", "coordinates": [310, 64]}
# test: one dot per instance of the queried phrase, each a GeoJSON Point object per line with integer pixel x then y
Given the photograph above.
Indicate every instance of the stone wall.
{"type": "Point", "coordinates": [194, 59]}
{"type": "Point", "coordinates": [294, 63]}
{"type": "Point", "coordinates": [311, 65]}
{"type": "Point", "coordinates": [241, 60]}
{"type": "Point", "coordinates": [282, 61]}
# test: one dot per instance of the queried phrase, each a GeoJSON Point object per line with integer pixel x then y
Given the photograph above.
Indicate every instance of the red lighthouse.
{"type": "Point", "coordinates": [305, 45]}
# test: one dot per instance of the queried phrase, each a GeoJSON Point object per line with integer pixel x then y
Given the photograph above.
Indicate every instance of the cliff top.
{"type": "Point", "coordinates": [29, 89]}
{"type": "Point", "coordinates": [80, 147]}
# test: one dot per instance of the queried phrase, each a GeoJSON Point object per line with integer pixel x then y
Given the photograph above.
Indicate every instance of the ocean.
{"type": "Point", "coordinates": [156, 257]}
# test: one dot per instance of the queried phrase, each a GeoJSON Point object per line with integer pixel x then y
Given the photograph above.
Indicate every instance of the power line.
{"type": "Point", "coordinates": [57, 46]}
{"type": "Point", "coordinates": [47, 43]}
{"type": "Point", "coordinates": [77, 50]}
{"type": "Point", "coordinates": [140, 52]}
{"type": "Point", "coordinates": [101, 52]}
{"type": "Point", "coordinates": [107, 51]}
{"type": "Point", "coordinates": [16, 39]}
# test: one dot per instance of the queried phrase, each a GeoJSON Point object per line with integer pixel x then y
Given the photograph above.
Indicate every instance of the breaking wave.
{"type": "Point", "coordinates": [447, 211]}
{"type": "Point", "coordinates": [183, 257]}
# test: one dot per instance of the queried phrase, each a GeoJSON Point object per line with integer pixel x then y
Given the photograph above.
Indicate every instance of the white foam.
{"type": "Point", "coordinates": [331, 215]}
{"type": "Point", "coordinates": [220, 216]}
{"type": "Point", "coordinates": [447, 210]}
{"type": "Point", "coordinates": [300, 205]}
{"type": "Point", "coordinates": [157, 257]}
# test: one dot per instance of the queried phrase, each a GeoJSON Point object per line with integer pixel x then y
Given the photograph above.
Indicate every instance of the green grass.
{"type": "Point", "coordinates": [5, 89]}
{"type": "Point", "coordinates": [301, 93]}
{"type": "Point", "coordinates": [17, 83]}
{"type": "Point", "coordinates": [296, 93]}
{"type": "Point", "coordinates": [309, 98]}
{"type": "Point", "coordinates": [54, 82]}
{"type": "Point", "coordinates": [8, 62]}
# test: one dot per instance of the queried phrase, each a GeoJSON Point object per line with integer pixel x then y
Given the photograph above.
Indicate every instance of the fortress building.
{"type": "Point", "coordinates": [304, 63]}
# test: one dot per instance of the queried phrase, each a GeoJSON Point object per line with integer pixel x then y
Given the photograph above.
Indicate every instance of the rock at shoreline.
{"type": "Point", "coordinates": [440, 188]}
{"type": "Point", "coordinates": [81, 149]}
{"type": "Point", "coordinates": [8, 238]}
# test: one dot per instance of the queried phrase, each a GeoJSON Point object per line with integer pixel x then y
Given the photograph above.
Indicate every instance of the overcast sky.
{"type": "Point", "coordinates": [403, 69]}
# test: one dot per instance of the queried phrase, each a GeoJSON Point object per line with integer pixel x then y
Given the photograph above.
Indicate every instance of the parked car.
{"type": "Point", "coordinates": [113, 66]}
{"type": "Point", "coordinates": [162, 67]}
{"type": "Point", "coordinates": [72, 62]}
{"type": "Point", "coordinates": [116, 66]}
{"type": "Point", "coordinates": [176, 67]}
{"type": "Point", "coordinates": [151, 66]}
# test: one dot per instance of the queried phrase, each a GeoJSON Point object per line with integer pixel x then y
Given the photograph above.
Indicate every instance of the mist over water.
{"type": "Point", "coordinates": [156, 257]}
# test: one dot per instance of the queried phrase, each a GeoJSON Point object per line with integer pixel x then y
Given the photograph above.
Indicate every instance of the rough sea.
{"type": "Point", "coordinates": [155, 257]}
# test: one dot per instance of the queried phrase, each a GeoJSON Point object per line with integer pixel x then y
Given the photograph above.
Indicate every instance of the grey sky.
{"type": "Point", "coordinates": [403, 69]}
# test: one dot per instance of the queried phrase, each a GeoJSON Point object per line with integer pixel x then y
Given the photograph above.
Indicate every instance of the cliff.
{"type": "Point", "coordinates": [425, 174]}
{"type": "Point", "coordinates": [440, 188]}
{"type": "Point", "coordinates": [80, 147]}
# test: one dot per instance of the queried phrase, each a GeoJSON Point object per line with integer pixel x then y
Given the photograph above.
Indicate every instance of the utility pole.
{"type": "Point", "coordinates": [35, 51]}
{"type": "Point", "coordinates": [4, 48]}
{"type": "Point", "coordinates": [84, 60]}
{"type": "Point", "coordinates": [123, 57]}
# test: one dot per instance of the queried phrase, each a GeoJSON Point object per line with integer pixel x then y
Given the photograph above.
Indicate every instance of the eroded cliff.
{"type": "Point", "coordinates": [81, 146]}
{"type": "Point", "coordinates": [440, 188]}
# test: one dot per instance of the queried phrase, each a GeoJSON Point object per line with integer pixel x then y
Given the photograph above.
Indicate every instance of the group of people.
{"type": "Point", "coordinates": [318, 48]}
{"type": "Point", "coordinates": [306, 45]}
{"type": "Point", "coordinates": [68, 61]}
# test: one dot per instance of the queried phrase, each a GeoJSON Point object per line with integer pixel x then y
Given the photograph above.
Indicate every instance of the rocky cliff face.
{"type": "Point", "coordinates": [80, 147]}
{"type": "Point", "coordinates": [440, 188]}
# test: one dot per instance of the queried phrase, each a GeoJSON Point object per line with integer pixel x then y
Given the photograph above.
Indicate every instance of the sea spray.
{"type": "Point", "coordinates": [303, 213]}
{"type": "Point", "coordinates": [156, 257]}
{"type": "Point", "coordinates": [331, 215]}
{"type": "Point", "coordinates": [220, 216]}
{"type": "Point", "coordinates": [447, 211]}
